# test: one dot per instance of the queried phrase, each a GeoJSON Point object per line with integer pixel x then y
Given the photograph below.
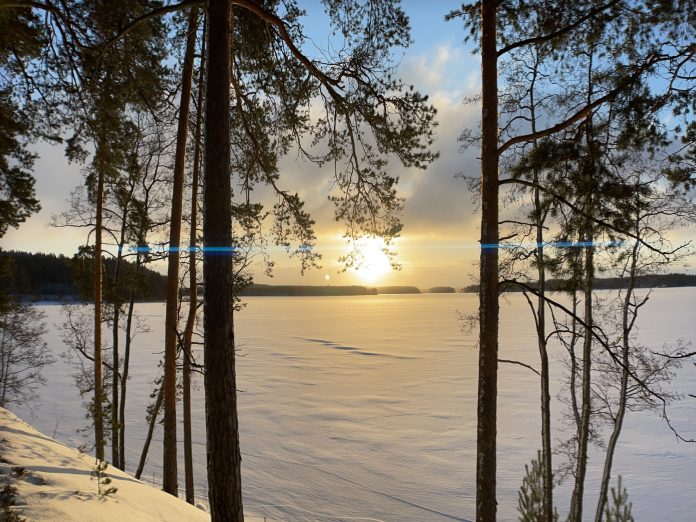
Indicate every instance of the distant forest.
{"type": "Point", "coordinates": [51, 277]}
{"type": "Point", "coordinates": [57, 277]}
{"type": "Point", "coordinates": [611, 283]}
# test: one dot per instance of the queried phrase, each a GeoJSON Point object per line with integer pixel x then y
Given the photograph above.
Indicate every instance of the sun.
{"type": "Point", "coordinates": [372, 262]}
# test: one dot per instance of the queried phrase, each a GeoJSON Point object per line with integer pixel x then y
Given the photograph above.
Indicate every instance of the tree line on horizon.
{"type": "Point", "coordinates": [46, 275]}
{"type": "Point", "coordinates": [50, 276]}
{"type": "Point", "coordinates": [180, 112]}
{"type": "Point", "coordinates": [37, 276]}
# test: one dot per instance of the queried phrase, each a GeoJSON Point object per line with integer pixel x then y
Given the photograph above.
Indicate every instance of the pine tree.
{"type": "Point", "coordinates": [111, 80]}
{"type": "Point", "coordinates": [633, 54]}
{"type": "Point", "coordinates": [619, 510]}
{"type": "Point", "coordinates": [530, 497]}
{"type": "Point", "coordinates": [21, 40]}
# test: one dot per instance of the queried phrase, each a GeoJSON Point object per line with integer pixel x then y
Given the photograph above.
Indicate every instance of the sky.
{"type": "Point", "coordinates": [439, 242]}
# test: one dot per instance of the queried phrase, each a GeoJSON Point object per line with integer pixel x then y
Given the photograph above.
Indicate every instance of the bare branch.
{"type": "Point", "coordinates": [520, 363]}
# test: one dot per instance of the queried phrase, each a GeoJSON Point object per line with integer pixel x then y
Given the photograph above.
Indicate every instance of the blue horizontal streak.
{"type": "Point", "coordinates": [553, 244]}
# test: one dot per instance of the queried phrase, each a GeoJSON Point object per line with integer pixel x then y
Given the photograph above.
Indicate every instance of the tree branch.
{"type": "Point", "coordinates": [560, 32]}
{"type": "Point", "coordinates": [617, 360]}
{"type": "Point", "coordinates": [520, 363]}
{"type": "Point", "coordinates": [577, 209]}
{"type": "Point", "coordinates": [651, 60]}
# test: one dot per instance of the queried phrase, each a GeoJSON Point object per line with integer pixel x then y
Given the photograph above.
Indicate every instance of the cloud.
{"type": "Point", "coordinates": [55, 180]}
{"type": "Point", "coordinates": [438, 215]}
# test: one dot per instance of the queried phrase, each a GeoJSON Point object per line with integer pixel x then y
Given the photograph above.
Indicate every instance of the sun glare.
{"type": "Point", "coordinates": [372, 262]}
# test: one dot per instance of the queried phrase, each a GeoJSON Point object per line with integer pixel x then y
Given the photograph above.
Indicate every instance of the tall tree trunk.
{"type": "Point", "coordinates": [115, 460]}
{"type": "Point", "coordinates": [193, 290]}
{"type": "Point", "coordinates": [126, 367]}
{"type": "Point", "coordinates": [224, 458]}
{"type": "Point", "coordinates": [124, 380]}
{"type": "Point", "coordinates": [586, 407]}
{"type": "Point", "coordinates": [576, 504]}
{"type": "Point", "coordinates": [623, 387]}
{"type": "Point", "coordinates": [169, 468]}
{"type": "Point", "coordinates": [98, 417]}
{"type": "Point", "coordinates": [5, 356]}
{"type": "Point", "coordinates": [546, 453]}
{"type": "Point", "coordinates": [547, 450]}
{"type": "Point", "coordinates": [488, 293]}
{"type": "Point", "coordinates": [116, 303]}
{"type": "Point", "coordinates": [574, 325]}
{"type": "Point", "coordinates": [150, 430]}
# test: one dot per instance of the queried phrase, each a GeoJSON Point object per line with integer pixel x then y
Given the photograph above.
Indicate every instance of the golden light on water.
{"type": "Point", "coordinates": [372, 263]}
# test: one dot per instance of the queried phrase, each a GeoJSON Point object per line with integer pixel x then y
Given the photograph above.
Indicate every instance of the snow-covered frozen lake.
{"type": "Point", "coordinates": [363, 408]}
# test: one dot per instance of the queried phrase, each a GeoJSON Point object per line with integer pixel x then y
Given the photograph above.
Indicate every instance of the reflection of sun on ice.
{"type": "Point", "coordinates": [372, 262]}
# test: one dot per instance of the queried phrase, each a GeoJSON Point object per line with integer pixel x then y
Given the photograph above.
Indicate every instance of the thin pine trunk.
{"type": "Point", "coordinates": [98, 417]}
{"type": "Point", "coordinates": [193, 293]}
{"type": "Point", "coordinates": [150, 430]}
{"type": "Point", "coordinates": [126, 368]}
{"type": "Point", "coordinates": [573, 359]}
{"type": "Point", "coordinates": [5, 357]}
{"type": "Point", "coordinates": [116, 461]}
{"type": "Point", "coordinates": [623, 388]}
{"type": "Point", "coordinates": [116, 303]}
{"type": "Point", "coordinates": [488, 294]}
{"type": "Point", "coordinates": [583, 435]}
{"type": "Point", "coordinates": [224, 458]}
{"type": "Point", "coordinates": [169, 469]}
{"type": "Point", "coordinates": [586, 407]}
{"type": "Point", "coordinates": [546, 453]}
{"type": "Point", "coordinates": [547, 449]}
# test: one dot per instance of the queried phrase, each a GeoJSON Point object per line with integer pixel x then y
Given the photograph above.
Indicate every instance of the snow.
{"type": "Point", "coordinates": [364, 408]}
{"type": "Point", "coordinates": [57, 483]}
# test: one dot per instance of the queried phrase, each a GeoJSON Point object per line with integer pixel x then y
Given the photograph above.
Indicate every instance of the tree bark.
{"type": "Point", "coordinates": [169, 467]}
{"type": "Point", "coordinates": [547, 450]}
{"type": "Point", "coordinates": [150, 430]}
{"type": "Point", "coordinates": [98, 417]}
{"type": "Point", "coordinates": [623, 388]}
{"type": "Point", "coordinates": [193, 291]}
{"type": "Point", "coordinates": [124, 378]}
{"type": "Point", "coordinates": [223, 455]}
{"type": "Point", "coordinates": [115, 460]}
{"type": "Point", "coordinates": [586, 407]}
{"type": "Point", "coordinates": [488, 294]}
{"type": "Point", "coordinates": [576, 503]}
{"type": "Point", "coordinates": [116, 410]}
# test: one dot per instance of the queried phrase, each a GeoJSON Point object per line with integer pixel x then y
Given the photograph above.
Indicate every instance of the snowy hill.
{"type": "Point", "coordinates": [50, 481]}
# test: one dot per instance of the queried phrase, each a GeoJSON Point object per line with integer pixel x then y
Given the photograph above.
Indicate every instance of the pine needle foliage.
{"type": "Point", "coordinates": [619, 508]}
{"type": "Point", "coordinates": [530, 497]}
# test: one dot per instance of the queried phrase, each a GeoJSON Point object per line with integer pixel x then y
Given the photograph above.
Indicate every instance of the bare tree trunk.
{"type": "Point", "coordinates": [122, 403]}
{"type": "Point", "coordinates": [169, 467]}
{"type": "Point", "coordinates": [623, 388]}
{"type": "Point", "coordinates": [98, 417]}
{"type": "Point", "coordinates": [574, 360]}
{"type": "Point", "coordinates": [116, 417]}
{"type": "Point", "coordinates": [126, 368]}
{"type": "Point", "coordinates": [547, 450]}
{"type": "Point", "coordinates": [577, 498]}
{"type": "Point", "coordinates": [5, 356]}
{"type": "Point", "coordinates": [115, 460]}
{"type": "Point", "coordinates": [150, 430]}
{"type": "Point", "coordinates": [488, 294]}
{"type": "Point", "coordinates": [586, 407]}
{"type": "Point", "coordinates": [224, 458]}
{"type": "Point", "coordinates": [193, 291]}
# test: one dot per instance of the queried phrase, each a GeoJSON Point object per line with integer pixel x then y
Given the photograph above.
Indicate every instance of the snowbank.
{"type": "Point", "coordinates": [56, 482]}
